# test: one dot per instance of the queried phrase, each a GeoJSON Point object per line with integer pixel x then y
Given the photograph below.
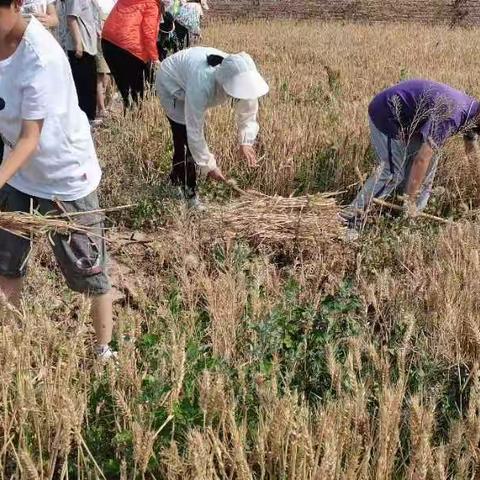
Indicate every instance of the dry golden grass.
{"type": "Point", "coordinates": [236, 363]}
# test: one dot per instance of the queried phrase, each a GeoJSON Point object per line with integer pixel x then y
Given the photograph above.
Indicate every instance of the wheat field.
{"type": "Point", "coordinates": [358, 362]}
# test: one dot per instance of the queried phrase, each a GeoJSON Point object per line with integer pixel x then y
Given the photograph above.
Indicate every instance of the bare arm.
{"type": "Point", "coordinates": [50, 19]}
{"type": "Point", "coordinates": [420, 165]}
{"type": "Point", "coordinates": [24, 149]}
{"type": "Point", "coordinates": [74, 30]}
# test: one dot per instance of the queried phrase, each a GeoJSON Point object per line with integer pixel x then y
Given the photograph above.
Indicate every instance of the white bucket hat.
{"type": "Point", "coordinates": [239, 77]}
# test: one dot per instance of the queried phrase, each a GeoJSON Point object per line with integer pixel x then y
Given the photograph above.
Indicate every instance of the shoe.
{"type": "Point", "coordinates": [193, 200]}
{"type": "Point", "coordinates": [351, 235]}
{"type": "Point", "coordinates": [105, 353]}
{"type": "Point", "coordinates": [195, 203]}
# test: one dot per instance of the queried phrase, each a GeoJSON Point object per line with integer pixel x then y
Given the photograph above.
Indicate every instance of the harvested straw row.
{"type": "Point", "coordinates": [287, 224]}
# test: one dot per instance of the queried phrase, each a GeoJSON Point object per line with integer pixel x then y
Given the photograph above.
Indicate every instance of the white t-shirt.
{"type": "Point", "coordinates": [36, 83]}
{"type": "Point", "coordinates": [35, 7]}
{"type": "Point", "coordinates": [106, 6]}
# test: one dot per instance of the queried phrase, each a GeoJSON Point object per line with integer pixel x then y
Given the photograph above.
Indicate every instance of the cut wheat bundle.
{"type": "Point", "coordinates": [30, 224]}
{"type": "Point", "coordinates": [294, 224]}
{"type": "Point", "coordinates": [27, 224]}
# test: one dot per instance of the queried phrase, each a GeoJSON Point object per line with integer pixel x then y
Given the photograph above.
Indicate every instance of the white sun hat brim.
{"type": "Point", "coordinates": [246, 86]}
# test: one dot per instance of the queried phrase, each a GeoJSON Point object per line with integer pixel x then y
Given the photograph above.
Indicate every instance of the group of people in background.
{"type": "Point", "coordinates": [120, 42]}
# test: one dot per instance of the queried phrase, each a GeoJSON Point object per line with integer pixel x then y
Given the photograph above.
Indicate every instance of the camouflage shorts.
{"type": "Point", "coordinates": [81, 257]}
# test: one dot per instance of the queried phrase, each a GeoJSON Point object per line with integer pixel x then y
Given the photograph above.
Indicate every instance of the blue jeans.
{"type": "Point", "coordinates": [394, 162]}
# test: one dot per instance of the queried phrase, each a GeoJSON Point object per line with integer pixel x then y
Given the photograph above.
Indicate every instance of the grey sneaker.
{"type": "Point", "coordinates": [351, 235]}
{"type": "Point", "coordinates": [195, 203]}
{"type": "Point", "coordinates": [105, 353]}
{"type": "Point", "coordinates": [193, 200]}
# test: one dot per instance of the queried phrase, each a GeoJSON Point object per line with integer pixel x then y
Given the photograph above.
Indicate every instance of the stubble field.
{"type": "Point", "coordinates": [359, 362]}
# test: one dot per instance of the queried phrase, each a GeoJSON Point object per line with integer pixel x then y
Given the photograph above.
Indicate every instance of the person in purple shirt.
{"type": "Point", "coordinates": [409, 124]}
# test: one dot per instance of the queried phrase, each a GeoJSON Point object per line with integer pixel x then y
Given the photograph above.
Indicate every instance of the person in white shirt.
{"type": "Point", "coordinates": [194, 80]}
{"type": "Point", "coordinates": [49, 164]}
{"type": "Point", "coordinates": [43, 10]}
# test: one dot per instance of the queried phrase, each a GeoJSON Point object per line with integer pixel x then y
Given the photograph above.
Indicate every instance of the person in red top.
{"type": "Point", "coordinates": [129, 43]}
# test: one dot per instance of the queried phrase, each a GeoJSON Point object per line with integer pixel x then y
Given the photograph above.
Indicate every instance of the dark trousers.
{"type": "Point", "coordinates": [183, 36]}
{"type": "Point", "coordinates": [167, 42]}
{"type": "Point", "coordinates": [128, 71]}
{"type": "Point", "coordinates": [84, 72]}
{"type": "Point", "coordinates": [184, 172]}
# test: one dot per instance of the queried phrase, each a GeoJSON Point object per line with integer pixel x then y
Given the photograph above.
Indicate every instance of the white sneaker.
{"type": "Point", "coordinates": [105, 353]}
{"type": "Point", "coordinates": [351, 235]}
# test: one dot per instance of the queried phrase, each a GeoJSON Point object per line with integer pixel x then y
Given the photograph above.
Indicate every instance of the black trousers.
{"type": "Point", "coordinates": [184, 172]}
{"type": "Point", "coordinates": [128, 71]}
{"type": "Point", "coordinates": [183, 36]}
{"type": "Point", "coordinates": [84, 72]}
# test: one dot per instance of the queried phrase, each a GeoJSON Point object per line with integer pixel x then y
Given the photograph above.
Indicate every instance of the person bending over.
{"type": "Point", "coordinates": [188, 84]}
{"type": "Point", "coordinates": [409, 124]}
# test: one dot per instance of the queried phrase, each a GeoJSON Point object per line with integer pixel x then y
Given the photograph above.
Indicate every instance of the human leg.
{"type": "Point", "coordinates": [103, 82]}
{"type": "Point", "coordinates": [427, 185]}
{"type": "Point", "coordinates": [178, 174]}
{"type": "Point", "coordinates": [14, 250]}
{"type": "Point", "coordinates": [91, 86]}
{"type": "Point", "coordinates": [117, 61]}
{"type": "Point", "coordinates": [84, 73]}
{"type": "Point", "coordinates": [101, 313]}
{"type": "Point", "coordinates": [182, 36]}
{"type": "Point", "coordinates": [388, 175]}
{"type": "Point", "coordinates": [82, 259]}
{"type": "Point", "coordinates": [12, 289]}
{"type": "Point", "coordinates": [140, 75]}
{"type": "Point", "coordinates": [101, 94]}
{"type": "Point", "coordinates": [191, 172]}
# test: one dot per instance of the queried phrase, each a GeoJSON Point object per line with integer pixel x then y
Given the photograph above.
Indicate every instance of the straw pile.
{"type": "Point", "coordinates": [293, 224]}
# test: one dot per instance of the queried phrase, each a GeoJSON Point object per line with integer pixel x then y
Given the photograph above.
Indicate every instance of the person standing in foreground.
{"type": "Point", "coordinates": [49, 164]}
{"type": "Point", "coordinates": [129, 44]}
{"type": "Point", "coordinates": [409, 124]}
{"type": "Point", "coordinates": [192, 81]}
{"type": "Point", "coordinates": [82, 38]}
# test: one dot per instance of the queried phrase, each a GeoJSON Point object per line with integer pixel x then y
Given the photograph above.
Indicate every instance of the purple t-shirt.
{"type": "Point", "coordinates": [433, 110]}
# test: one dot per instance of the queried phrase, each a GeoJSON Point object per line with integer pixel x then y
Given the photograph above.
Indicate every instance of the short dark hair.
{"type": "Point", "coordinates": [6, 3]}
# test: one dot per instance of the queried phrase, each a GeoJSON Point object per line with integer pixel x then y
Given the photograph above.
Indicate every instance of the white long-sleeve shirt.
{"type": "Point", "coordinates": [187, 88]}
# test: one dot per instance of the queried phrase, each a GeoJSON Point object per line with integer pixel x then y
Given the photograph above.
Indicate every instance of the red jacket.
{"type": "Point", "coordinates": [133, 25]}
